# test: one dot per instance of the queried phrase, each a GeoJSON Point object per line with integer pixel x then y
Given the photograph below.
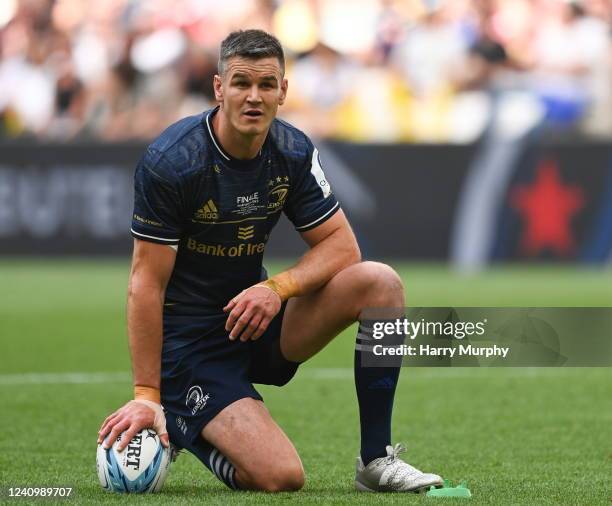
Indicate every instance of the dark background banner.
{"type": "Point", "coordinates": [77, 198]}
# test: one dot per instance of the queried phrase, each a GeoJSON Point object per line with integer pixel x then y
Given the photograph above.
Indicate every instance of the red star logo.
{"type": "Point", "coordinates": [547, 207]}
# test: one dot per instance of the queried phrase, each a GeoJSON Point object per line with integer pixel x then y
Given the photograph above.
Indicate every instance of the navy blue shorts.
{"type": "Point", "coordinates": [203, 371]}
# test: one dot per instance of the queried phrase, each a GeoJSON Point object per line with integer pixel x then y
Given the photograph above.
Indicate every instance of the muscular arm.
{"type": "Point", "coordinates": [333, 247]}
{"type": "Point", "coordinates": [152, 266]}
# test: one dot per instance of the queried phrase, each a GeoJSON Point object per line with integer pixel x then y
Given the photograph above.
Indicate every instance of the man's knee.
{"type": "Point", "coordinates": [277, 477]}
{"type": "Point", "coordinates": [381, 285]}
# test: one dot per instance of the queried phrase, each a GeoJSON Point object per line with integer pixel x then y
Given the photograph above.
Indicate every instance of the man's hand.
{"type": "Point", "coordinates": [132, 418]}
{"type": "Point", "coordinates": [251, 311]}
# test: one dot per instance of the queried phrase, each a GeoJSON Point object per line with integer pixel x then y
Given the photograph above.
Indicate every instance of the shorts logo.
{"type": "Point", "coordinates": [196, 400]}
{"type": "Point", "coordinates": [207, 212]}
{"type": "Point", "coordinates": [181, 424]}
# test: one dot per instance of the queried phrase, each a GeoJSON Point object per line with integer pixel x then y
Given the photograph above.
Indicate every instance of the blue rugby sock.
{"type": "Point", "coordinates": [375, 393]}
{"type": "Point", "coordinates": [222, 468]}
{"type": "Point", "coordinates": [218, 463]}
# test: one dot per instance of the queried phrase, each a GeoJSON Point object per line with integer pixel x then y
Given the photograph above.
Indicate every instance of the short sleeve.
{"type": "Point", "coordinates": [157, 201]}
{"type": "Point", "coordinates": [311, 201]}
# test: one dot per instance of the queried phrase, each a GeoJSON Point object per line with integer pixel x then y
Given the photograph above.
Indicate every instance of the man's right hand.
{"type": "Point", "coordinates": [131, 419]}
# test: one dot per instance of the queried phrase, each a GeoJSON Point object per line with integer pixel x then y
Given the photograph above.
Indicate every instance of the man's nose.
{"type": "Point", "coordinates": [254, 94]}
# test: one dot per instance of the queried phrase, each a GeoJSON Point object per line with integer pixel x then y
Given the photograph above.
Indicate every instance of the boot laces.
{"type": "Point", "coordinates": [400, 472]}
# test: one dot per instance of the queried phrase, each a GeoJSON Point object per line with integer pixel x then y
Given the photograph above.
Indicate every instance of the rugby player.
{"type": "Point", "coordinates": [204, 320]}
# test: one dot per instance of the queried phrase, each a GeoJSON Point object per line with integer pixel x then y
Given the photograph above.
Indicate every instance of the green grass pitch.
{"type": "Point", "coordinates": [517, 436]}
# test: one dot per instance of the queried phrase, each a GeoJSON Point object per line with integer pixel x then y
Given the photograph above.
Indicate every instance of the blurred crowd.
{"type": "Point", "coordinates": [358, 70]}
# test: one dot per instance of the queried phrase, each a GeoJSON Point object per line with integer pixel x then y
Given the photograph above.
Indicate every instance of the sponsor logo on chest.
{"type": "Point", "coordinates": [224, 250]}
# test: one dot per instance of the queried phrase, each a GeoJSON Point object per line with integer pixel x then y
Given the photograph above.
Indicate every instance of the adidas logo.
{"type": "Point", "coordinates": [246, 232]}
{"type": "Point", "coordinates": [208, 211]}
{"type": "Point", "coordinates": [385, 383]}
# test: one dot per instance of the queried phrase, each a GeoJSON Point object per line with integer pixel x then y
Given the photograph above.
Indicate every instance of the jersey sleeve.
{"type": "Point", "coordinates": [157, 201]}
{"type": "Point", "coordinates": [311, 201]}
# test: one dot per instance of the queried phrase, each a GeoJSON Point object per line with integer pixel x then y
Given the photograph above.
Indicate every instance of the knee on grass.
{"type": "Point", "coordinates": [282, 478]}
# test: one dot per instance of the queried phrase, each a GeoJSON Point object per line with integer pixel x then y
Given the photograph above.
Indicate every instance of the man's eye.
{"type": "Point", "coordinates": [266, 86]}
{"type": "Point", "coordinates": [241, 84]}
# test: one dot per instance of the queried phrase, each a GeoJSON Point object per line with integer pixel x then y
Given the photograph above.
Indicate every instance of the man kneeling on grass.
{"type": "Point", "coordinates": [204, 320]}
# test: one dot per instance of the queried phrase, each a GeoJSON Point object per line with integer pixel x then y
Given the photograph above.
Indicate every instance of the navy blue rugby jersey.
{"type": "Point", "coordinates": [219, 210]}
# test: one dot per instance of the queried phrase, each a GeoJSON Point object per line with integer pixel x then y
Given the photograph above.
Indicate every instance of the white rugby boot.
{"type": "Point", "coordinates": [391, 474]}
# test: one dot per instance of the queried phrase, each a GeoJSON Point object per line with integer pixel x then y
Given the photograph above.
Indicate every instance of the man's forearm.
{"type": "Point", "coordinates": [144, 313]}
{"type": "Point", "coordinates": [324, 260]}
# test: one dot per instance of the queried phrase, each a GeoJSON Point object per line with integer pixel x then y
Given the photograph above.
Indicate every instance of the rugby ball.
{"type": "Point", "coordinates": [141, 467]}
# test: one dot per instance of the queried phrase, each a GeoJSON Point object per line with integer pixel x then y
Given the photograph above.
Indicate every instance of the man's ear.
{"type": "Point", "coordinates": [283, 91]}
{"type": "Point", "coordinates": [217, 86]}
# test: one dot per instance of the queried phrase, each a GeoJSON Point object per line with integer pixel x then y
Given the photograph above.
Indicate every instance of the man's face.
{"type": "Point", "coordinates": [250, 92]}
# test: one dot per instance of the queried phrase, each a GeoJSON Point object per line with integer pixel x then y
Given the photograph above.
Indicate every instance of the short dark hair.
{"type": "Point", "coordinates": [250, 44]}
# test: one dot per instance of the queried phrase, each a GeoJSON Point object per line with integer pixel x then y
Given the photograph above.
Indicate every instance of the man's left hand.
{"type": "Point", "coordinates": [251, 311]}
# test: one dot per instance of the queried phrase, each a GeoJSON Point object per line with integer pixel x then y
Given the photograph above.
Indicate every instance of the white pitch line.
{"type": "Point", "coordinates": [343, 373]}
{"type": "Point", "coordinates": [84, 378]}
{"type": "Point", "coordinates": [34, 378]}
{"type": "Point", "coordinates": [312, 373]}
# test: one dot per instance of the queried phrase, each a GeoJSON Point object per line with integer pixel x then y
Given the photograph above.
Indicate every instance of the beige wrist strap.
{"type": "Point", "coordinates": [284, 284]}
{"type": "Point", "coordinates": [147, 394]}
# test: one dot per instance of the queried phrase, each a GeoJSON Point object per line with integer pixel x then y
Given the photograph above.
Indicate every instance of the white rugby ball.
{"type": "Point", "coordinates": [141, 467]}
